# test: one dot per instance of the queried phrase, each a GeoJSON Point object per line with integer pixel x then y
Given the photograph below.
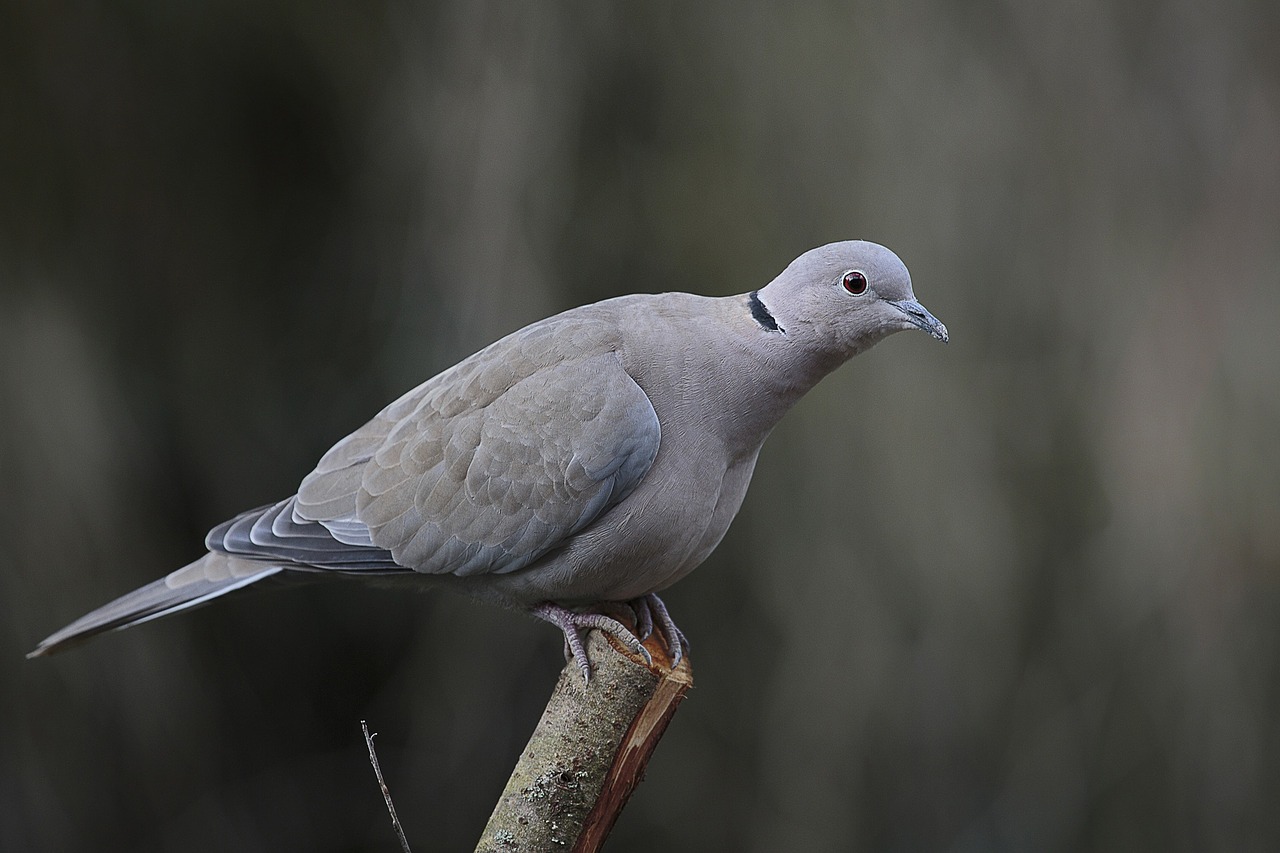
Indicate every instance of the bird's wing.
{"type": "Point", "coordinates": [276, 532]}
{"type": "Point", "coordinates": [484, 468]}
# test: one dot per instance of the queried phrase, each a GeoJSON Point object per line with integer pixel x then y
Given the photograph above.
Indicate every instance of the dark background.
{"type": "Point", "coordinates": [1018, 593]}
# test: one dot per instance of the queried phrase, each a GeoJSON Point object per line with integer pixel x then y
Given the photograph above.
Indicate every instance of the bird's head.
{"type": "Point", "coordinates": [843, 298]}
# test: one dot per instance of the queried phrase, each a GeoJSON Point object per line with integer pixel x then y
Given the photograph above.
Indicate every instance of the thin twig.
{"type": "Point", "coordinates": [386, 792]}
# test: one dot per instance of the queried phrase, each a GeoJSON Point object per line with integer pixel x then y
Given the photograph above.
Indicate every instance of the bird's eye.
{"type": "Point", "coordinates": [855, 282]}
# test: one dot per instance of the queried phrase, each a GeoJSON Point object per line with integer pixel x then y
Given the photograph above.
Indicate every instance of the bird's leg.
{"type": "Point", "coordinates": [643, 617]}
{"type": "Point", "coordinates": [572, 623]}
{"type": "Point", "coordinates": [649, 609]}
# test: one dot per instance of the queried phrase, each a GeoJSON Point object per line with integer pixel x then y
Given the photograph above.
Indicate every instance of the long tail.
{"type": "Point", "coordinates": [211, 576]}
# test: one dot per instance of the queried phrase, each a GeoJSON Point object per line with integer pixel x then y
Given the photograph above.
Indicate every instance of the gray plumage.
{"type": "Point", "coordinates": [595, 456]}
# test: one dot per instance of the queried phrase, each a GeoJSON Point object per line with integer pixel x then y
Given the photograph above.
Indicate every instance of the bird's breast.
{"type": "Point", "coordinates": [660, 533]}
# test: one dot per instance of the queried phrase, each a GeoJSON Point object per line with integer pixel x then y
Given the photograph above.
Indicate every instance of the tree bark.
{"type": "Point", "coordinates": [588, 752]}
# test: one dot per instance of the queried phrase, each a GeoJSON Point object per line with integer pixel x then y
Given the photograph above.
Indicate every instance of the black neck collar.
{"type": "Point", "coordinates": [761, 314]}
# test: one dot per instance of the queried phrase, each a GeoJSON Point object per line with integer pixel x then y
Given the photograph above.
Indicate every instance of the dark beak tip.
{"type": "Point", "coordinates": [920, 317]}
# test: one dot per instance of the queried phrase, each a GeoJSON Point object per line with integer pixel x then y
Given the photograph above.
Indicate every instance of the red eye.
{"type": "Point", "coordinates": [855, 282]}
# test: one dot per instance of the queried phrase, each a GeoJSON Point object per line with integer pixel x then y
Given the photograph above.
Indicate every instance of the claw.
{"type": "Point", "coordinates": [651, 606]}
{"type": "Point", "coordinates": [572, 623]}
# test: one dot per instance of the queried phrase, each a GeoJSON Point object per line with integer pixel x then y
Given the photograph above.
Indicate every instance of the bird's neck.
{"type": "Point", "coordinates": [765, 372]}
{"type": "Point", "coordinates": [732, 378]}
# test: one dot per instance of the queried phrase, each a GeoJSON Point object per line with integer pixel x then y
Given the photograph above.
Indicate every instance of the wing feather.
{"type": "Point", "coordinates": [495, 462]}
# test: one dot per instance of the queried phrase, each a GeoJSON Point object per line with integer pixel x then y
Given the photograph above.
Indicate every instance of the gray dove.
{"type": "Point", "coordinates": [592, 458]}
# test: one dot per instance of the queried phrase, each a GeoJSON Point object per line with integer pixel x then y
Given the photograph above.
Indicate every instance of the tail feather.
{"type": "Point", "coordinates": [213, 575]}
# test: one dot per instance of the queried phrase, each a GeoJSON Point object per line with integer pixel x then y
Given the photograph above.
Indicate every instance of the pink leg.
{"type": "Point", "coordinates": [649, 610]}
{"type": "Point", "coordinates": [572, 624]}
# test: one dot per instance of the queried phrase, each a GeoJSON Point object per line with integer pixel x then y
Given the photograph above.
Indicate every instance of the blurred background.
{"type": "Point", "coordinates": [1018, 593]}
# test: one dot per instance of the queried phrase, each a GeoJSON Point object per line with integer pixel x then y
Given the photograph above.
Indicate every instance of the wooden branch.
{"type": "Point", "coordinates": [588, 752]}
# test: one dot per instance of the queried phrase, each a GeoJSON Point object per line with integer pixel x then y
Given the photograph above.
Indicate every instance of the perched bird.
{"type": "Point", "coordinates": [594, 457]}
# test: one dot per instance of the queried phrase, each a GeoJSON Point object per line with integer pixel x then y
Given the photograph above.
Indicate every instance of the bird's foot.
{"type": "Point", "coordinates": [572, 623]}
{"type": "Point", "coordinates": [649, 611]}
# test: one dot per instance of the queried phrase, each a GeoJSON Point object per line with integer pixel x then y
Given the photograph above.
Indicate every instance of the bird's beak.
{"type": "Point", "coordinates": [920, 317]}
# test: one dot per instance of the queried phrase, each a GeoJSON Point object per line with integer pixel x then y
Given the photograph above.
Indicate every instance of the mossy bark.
{"type": "Point", "coordinates": [588, 752]}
